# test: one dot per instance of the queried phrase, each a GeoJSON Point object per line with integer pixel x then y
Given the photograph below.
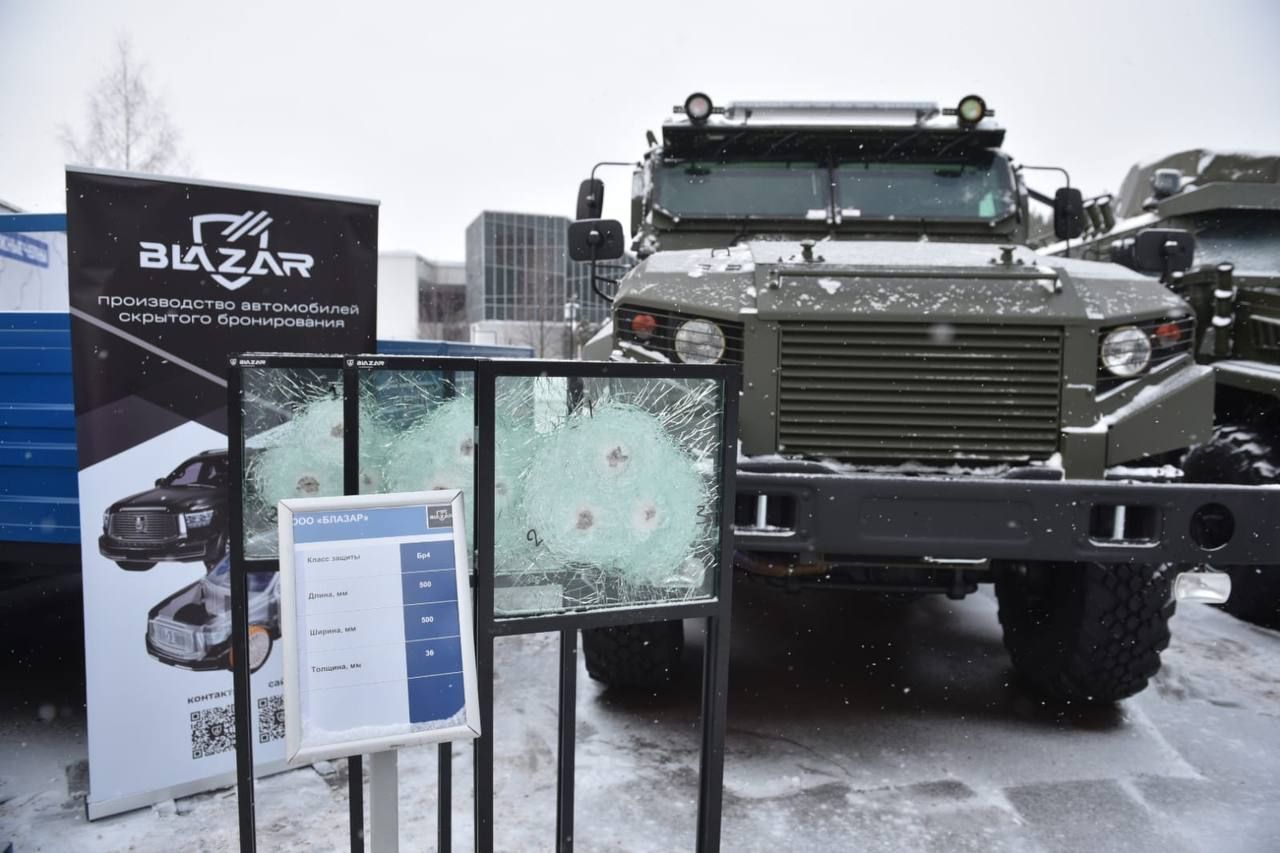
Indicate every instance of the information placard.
{"type": "Point", "coordinates": [377, 624]}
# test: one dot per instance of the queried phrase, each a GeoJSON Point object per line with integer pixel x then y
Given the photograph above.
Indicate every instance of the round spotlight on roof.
{"type": "Point", "coordinates": [697, 107]}
{"type": "Point", "coordinates": [971, 109]}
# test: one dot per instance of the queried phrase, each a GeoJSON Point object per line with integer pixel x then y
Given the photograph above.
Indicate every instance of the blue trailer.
{"type": "Point", "coordinates": [39, 507]}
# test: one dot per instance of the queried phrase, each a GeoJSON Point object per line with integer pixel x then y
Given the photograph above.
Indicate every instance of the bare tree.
{"type": "Point", "coordinates": [128, 125]}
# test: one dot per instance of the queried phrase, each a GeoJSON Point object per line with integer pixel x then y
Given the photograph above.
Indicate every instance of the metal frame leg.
{"type": "Point", "coordinates": [568, 731]}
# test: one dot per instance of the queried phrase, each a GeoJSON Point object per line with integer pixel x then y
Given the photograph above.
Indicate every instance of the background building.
{"type": "Point", "coordinates": [522, 289]}
{"type": "Point", "coordinates": [420, 298]}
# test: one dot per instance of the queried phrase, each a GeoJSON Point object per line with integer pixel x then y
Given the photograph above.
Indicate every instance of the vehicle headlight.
{"type": "Point", "coordinates": [1126, 351]}
{"type": "Point", "coordinates": [198, 519]}
{"type": "Point", "coordinates": [699, 342]}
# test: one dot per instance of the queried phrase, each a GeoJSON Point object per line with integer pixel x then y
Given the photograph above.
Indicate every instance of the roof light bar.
{"type": "Point", "coordinates": [921, 109]}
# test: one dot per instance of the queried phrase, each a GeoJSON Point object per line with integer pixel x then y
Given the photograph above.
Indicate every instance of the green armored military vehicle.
{"type": "Point", "coordinates": [1231, 204]}
{"type": "Point", "coordinates": [927, 404]}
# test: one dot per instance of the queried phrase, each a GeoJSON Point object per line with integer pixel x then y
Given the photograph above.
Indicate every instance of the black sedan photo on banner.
{"type": "Point", "coordinates": [166, 278]}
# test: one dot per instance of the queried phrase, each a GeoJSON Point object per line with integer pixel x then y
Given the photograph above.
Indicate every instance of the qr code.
{"type": "Point", "coordinates": [213, 730]}
{"type": "Point", "coordinates": [270, 718]}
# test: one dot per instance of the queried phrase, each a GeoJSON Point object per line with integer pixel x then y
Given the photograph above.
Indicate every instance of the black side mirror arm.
{"type": "Point", "coordinates": [1044, 199]}
{"type": "Point", "coordinates": [595, 239]}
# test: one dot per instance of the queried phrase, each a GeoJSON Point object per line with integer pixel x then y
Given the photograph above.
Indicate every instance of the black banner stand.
{"type": "Point", "coordinates": [489, 625]}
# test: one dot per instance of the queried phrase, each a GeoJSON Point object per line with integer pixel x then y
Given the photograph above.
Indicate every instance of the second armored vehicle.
{"type": "Point", "coordinates": [1231, 204]}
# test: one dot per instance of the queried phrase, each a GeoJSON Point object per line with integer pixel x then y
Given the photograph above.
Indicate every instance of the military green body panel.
{"type": "Point", "coordinates": [757, 419]}
{"type": "Point", "coordinates": [1257, 327]}
{"type": "Point", "coordinates": [1256, 377]}
{"type": "Point", "coordinates": [1084, 453]}
{"type": "Point", "coordinates": [1242, 172]}
{"type": "Point", "coordinates": [875, 352]}
{"type": "Point", "coordinates": [873, 341]}
{"type": "Point", "coordinates": [1178, 415]}
{"type": "Point", "coordinates": [1246, 352]}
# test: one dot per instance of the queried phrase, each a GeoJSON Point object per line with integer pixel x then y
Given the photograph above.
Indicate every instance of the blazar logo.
{"type": "Point", "coordinates": [230, 266]}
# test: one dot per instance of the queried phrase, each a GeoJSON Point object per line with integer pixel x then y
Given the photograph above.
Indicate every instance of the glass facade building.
{"type": "Point", "coordinates": [518, 269]}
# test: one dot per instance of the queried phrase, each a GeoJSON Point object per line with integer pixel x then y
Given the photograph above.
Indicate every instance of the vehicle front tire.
{"type": "Point", "coordinates": [645, 656]}
{"type": "Point", "coordinates": [1242, 456]}
{"type": "Point", "coordinates": [1085, 632]}
{"type": "Point", "coordinates": [260, 645]}
{"type": "Point", "coordinates": [134, 565]}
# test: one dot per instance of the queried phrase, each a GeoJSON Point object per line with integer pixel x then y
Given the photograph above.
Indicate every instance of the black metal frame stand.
{"type": "Point", "coordinates": [351, 367]}
{"type": "Point", "coordinates": [240, 568]}
{"type": "Point", "coordinates": [715, 610]}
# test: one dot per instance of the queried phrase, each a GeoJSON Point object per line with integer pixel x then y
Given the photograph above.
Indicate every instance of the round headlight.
{"type": "Point", "coordinates": [699, 342]}
{"type": "Point", "coordinates": [697, 107]}
{"type": "Point", "coordinates": [1126, 351]}
{"type": "Point", "coordinates": [972, 109]}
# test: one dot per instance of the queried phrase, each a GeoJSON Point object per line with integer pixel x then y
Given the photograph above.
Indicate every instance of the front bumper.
{"type": "Point", "coordinates": [817, 514]}
{"type": "Point", "coordinates": [179, 550]}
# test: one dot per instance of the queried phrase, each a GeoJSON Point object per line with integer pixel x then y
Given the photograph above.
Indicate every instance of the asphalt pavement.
{"type": "Point", "coordinates": [855, 723]}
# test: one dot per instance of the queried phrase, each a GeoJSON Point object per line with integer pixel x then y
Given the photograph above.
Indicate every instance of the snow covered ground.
{"type": "Point", "coordinates": [854, 725]}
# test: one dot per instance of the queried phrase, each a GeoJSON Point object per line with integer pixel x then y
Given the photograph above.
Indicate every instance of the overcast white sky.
{"type": "Point", "coordinates": [443, 109]}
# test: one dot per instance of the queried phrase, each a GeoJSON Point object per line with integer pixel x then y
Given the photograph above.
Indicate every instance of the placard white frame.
{"type": "Point", "coordinates": [296, 754]}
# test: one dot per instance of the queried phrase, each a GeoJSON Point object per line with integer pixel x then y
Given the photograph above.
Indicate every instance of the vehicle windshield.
{"type": "Point", "coordinates": [736, 190]}
{"type": "Point", "coordinates": [975, 189]}
{"type": "Point", "coordinates": [221, 576]}
{"type": "Point", "coordinates": [925, 190]}
{"type": "Point", "coordinates": [1249, 239]}
{"type": "Point", "coordinates": [198, 472]}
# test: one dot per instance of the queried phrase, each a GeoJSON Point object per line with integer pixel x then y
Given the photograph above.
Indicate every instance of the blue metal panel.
{"type": "Point", "coordinates": [462, 350]}
{"type": "Point", "coordinates": [33, 222]}
{"type": "Point", "coordinates": [38, 498]}
{"type": "Point", "coordinates": [38, 490]}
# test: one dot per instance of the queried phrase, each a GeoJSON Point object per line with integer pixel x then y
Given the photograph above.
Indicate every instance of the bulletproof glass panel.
{"type": "Point", "coordinates": [608, 492]}
{"type": "Point", "coordinates": [417, 433]}
{"type": "Point", "coordinates": [293, 436]}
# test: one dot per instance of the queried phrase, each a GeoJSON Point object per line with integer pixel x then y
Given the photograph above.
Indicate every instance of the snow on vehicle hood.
{"type": "Point", "coordinates": [893, 279]}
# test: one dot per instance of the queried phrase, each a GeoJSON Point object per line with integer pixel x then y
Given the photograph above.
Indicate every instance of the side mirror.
{"type": "Point", "coordinates": [590, 199]}
{"type": "Point", "coordinates": [1068, 213]}
{"type": "Point", "coordinates": [160, 482]}
{"type": "Point", "coordinates": [1163, 250]}
{"type": "Point", "coordinates": [596, 240]}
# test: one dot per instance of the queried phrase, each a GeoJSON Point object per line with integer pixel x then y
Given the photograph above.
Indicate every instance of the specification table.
{"type": "Point", "coordinates": [377, 623]}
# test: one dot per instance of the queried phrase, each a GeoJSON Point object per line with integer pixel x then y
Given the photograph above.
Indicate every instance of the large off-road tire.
{"type": "Point", "coordinates": [643, 656]}
{"type": "Point", "coordinates": [1085, 632]}
{"type": "Point", "coordinates": [1242, 456]}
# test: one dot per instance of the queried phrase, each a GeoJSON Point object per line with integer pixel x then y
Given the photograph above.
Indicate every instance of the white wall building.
{"type": "Point", "coordinates": [420, 298]}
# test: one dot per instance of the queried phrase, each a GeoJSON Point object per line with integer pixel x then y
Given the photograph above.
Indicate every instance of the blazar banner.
{"type": "Point", "coordinates": [166, 278]}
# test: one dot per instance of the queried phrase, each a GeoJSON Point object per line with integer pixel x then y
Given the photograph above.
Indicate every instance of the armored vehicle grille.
{"type": "Point", "coordinates": [143, 525]}
{"type": "Point", "coordinates": [887, 393]}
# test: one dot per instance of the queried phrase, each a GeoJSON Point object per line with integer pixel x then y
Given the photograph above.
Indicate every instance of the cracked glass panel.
{"type": "Point", "coordinates": [293, 431]}
{"type": "Point", "coordinates": [417, 433]}
{"type": "Point", "coordinates": [608, 493]}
